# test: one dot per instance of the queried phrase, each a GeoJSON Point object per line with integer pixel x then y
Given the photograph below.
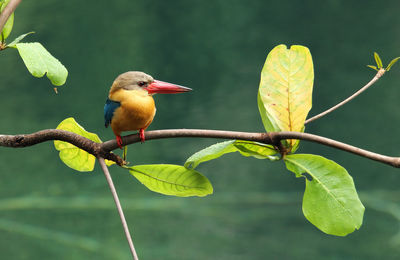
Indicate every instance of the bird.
{"type": "Point", "coordinates": [130, 105]}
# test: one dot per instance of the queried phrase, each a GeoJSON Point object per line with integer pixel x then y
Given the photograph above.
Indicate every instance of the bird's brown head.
{"type": "Point", "coordinates": [137, 80]}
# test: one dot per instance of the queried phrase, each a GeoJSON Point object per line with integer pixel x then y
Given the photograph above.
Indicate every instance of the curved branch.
{"type": "Point", "coordinates": [104, 149]}
{"type": "Point", "coordinates": [7, 11]}
{"type": "Point", "coordinates": [267, 138]}
{"type": "Point", "coordinates": [203, 133]}
{"type": "Point", "coordinates": [19, 141]}
{"type": "Point", "coordinates": [361, 90]}
{"type": "Point", "coordinates": [393, 161]}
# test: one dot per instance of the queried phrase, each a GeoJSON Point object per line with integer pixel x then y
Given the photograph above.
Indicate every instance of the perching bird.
{"type": "Point", "coordinates": [130, 105]}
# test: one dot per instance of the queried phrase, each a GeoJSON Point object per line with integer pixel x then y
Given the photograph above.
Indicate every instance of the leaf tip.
{"type": "Point", "coordinates": [372, 67]}
{"type": "Point", "coordinates": [392, 63]}
{"type": "Point", "coordinates": [378, 60]}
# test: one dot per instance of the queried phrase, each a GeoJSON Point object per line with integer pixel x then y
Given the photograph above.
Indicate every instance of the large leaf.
{"type": "Point", "coordinates": [39, 62]}
{"type": "Point", "coordinates": [73, 156]}
{"type": "Point", "coordinates": [245, 148]}
{"type": "Point", "coordinates": [330, 200]}
{"type": "Point", "coordinates": [173, 180]}
{"type": "Point", "coordinates": [8, 25]}
{"type": "Point", "coordinates": [284, 96]}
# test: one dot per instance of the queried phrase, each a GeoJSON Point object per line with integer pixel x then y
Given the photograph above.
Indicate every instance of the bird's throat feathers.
{"type": "Point", "coordinates": [121, 95]}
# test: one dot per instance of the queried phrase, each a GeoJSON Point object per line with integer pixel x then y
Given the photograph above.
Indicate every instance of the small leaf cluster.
{"type": "Point", "coordinates": [36, 58]}
{"type": "Point", "coordinates": [330, 200]}
{"type": "Point", "coordinates": [379, 64]}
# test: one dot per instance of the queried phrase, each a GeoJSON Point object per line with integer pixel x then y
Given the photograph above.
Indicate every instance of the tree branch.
{"type": "Point", "coordinates": [361, 90]}
{"type": "Point", "coordinates": [119, 207]}
{"type": "Point", "coordinates": [7, 11]}
{"type": "Point", "coordinates": [104, 150]}
{"type": "Point", "coordinates": [272, 138]}
{"type": "Point", "coordinates": [19, 141]}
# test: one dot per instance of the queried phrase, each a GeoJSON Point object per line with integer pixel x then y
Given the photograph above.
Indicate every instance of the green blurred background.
{"type": "Point", "coordinates": [48, 211]}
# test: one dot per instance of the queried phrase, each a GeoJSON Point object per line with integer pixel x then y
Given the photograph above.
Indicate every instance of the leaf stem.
{"type": "Point", "coordinates": [375, 79]}
{"type": "Point", "coordinates": [119, 208]}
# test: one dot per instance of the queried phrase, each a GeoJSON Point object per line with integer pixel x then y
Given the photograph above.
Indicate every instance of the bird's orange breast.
{"type": "Point", "coordinates": [136, 112]}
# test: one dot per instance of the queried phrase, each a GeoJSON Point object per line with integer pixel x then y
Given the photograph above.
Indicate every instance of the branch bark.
{"type": "Point", "coordinates": [25, 140]}
{"type": "Point", "coordinates": [8, 10]}
{"type": "Point", "coordinates": [104, 150]}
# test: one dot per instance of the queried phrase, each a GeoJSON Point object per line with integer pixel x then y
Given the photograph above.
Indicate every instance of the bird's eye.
{"type": "Point", "coordinates": [141, 83]}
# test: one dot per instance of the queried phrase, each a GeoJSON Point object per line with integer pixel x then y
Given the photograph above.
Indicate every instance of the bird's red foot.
{"type": "Point", "coordinates": [119, 141]}
{"type": "Point", "coordinates": [141, 135]}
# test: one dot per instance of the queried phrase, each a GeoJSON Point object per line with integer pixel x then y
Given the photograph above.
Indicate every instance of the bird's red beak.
{"type": "Point", "coordinates": [162, 87]}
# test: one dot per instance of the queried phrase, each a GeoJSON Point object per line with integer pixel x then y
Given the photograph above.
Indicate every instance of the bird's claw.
{"type": "Point", "coordinates": [119, 142]}
{"type": "Point", "coordinates": [141, 135]}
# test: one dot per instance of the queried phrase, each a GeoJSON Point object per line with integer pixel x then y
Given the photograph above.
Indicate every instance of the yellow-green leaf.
{"type": "Point", "coordinates": [392, 63]}
{"type": "Point", "coordinates": [256, 150]}
{"type": "Point", "coordinates": [18, 39]}
{"type": "Point", "coordinates": [284, 96]}
{"type": "Point", "coordinates": [378, 60]}
{"type": "Point", "coordinates": [172, 180]}
{"type": "Point", "coordinates": [73, 156]}
{"type": "Point", "coordinates": [372, 67]}
{"type": "Point", "coordinates": [39, 62]}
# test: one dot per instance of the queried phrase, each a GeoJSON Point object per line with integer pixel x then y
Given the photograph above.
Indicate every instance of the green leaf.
{"type": "Point", "coordinates": [372, 67]}
{"type": "Point", "coordinates": [8, 25]}
{"type": "Point", "coordinates": [330, 199]}
{"type": "Point", "coordinates": [245, 148]}
{"type": "Point", "coordinates": [378, 60]}
{"type": "Point", "coordinates": [173, 180]}
{"type": "Point", "coordinates": [392, 63]}
{"type": "Point", "coordinates": [285, 92]}
{"type": "Point", "coordinates": [7, 28]}
{"type": "Point", "coordinates": [256, 150]}
{"type": "Point", "coordinates": [73, 156]}
{"type": "Point", "coordinates": [18, 39]}
{"type": "Point", "coordinates": [39, 62]}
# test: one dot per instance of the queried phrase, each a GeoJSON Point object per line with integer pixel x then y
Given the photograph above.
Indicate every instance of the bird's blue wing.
{"type": "Point", "coordinates": [109, 109]}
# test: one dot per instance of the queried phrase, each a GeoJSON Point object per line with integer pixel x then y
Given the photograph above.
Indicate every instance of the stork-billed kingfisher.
{"type": "Point", "coordinates": [130, 105]}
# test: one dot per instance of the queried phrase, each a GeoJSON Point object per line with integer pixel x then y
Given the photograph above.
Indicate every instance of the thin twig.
{"type": "Point", "coordinates": [119, 208]}
{"type": "Point", "coordinates": [375, 79]}
{"type": "Point", "coordinates": [7, 11]}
